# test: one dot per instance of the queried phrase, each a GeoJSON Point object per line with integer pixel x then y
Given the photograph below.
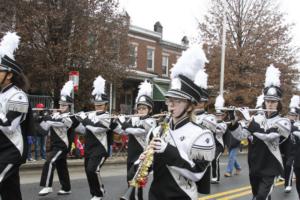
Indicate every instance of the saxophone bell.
{"type": "Point", "coordinates": [126, 196]}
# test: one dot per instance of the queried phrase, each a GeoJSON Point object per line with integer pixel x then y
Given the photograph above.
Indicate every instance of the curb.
{"type": "Point", "coordinates": [80, 162]}
{"type": "Point", "coordinates": [72, 163]}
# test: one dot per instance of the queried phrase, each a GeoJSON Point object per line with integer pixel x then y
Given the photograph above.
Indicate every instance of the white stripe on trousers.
{"type": "Point", "coordinates": [99, 177]}
{"type": "Point", "coordinates": [50, 167]}
{"type": "Point", "coordinates": [291, 175]}
{"type": "Point", "coordinates": [271, 189]}
{"type": "Point", "coordinates": [4, 172]}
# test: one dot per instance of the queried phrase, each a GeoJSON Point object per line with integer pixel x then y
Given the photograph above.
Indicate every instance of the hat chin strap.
{"type": "Point", "coordinates": [183, 112]}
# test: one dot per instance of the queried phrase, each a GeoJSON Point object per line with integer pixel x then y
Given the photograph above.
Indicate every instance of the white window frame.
{"type": "Point", "coordinates": [135, 45]}
{"type": "Point", "coordinates": [153, 58]}
{"type": "Point", "coordinates": [167, 64]}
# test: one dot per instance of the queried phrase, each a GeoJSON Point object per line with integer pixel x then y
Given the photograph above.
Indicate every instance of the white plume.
{"type": "Point", "coordinates": [295, 101]}
{"type": "Point", "coordinates": [259, 101]}
{"type": "Point", "coordinates": [190, 62]}
{"type": "Point", "coordinates": [67, 89]}
{"type": "Point", "coordinates": [219, 102]}
{"type": "Point", "coordinates": [272, 76]}
{"type": "Point", "coordinates": [99, 86]}
{"type": "Point", "coordinates": [9, 44]}
{"type": "Point", "coordinates": [201, 79]}
{"type": "Point", "coordinates": [145, 88]}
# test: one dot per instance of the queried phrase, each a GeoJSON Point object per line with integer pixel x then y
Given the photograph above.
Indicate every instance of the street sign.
{"type": "Point", "coordinates": [74, 76]}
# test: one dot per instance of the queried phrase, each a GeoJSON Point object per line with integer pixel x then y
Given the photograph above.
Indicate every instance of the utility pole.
{"type": "Point", "coordinates": [223, 51]}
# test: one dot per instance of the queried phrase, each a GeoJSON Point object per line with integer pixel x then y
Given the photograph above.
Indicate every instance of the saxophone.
{"type": "Point", "coordinates": [141, 176]}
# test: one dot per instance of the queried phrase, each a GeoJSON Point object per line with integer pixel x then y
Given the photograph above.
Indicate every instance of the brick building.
{"type": "Point", "coordinates": [151, 58]}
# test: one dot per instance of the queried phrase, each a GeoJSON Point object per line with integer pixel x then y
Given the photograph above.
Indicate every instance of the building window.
{"type": "Point", "coordinates": [165, 65]}
{"type": "Point", "coordinates": [150, 59]}
{"type": "Point", "coordinates": [133, 55]}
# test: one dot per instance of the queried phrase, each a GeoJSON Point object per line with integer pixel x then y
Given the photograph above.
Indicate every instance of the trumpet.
{"type": "Point", "coordinates": [140, 178]}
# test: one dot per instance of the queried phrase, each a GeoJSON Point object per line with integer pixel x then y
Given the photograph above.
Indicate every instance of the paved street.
{"type": "Point", "coordinates": [236, 187]}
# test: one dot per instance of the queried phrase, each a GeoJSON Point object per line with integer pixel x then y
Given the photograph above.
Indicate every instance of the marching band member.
{"type": "Point", "coordinates": [98, 138]}
{"type": "Point", "coordinates": [205, 121]}
{"type": "Point", "coordinates": [296, 150]}
{"type": "Point", "coordinates": [287, 144]}
{"type": "Point", "coordinates": [137, 129]}
{"type": "Point", "coordinates": [61, 136]}
{"type": "Point", "coordinates": [219, 132]}
{"type": "Point", "coordinates": [14, 118]}
{"type": "Point", "coordinates": [185, 150]}
{"type": "Point", "coordinates": [263, 133]}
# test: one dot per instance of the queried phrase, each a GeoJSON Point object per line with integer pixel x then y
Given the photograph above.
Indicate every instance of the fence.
{"type": "Point", "coordinates": [46, 100]}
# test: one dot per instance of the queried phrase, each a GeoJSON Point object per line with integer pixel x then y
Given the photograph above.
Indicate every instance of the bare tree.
{"type": "Point", "coordinates": [257, 36]}
{"type": "Point", "coordinates": [62, 35]}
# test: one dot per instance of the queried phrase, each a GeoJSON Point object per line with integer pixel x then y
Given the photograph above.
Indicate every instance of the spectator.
{"type": "Point", "coordinates": [30, 141]}
{"type": "Point", "coordinates": [41, 134]}
{"type": "Point", "coordinates": [233, 148]}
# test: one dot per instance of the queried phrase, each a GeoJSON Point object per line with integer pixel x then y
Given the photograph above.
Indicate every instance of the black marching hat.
{"type": "Point", "coordinates": [184, 88]}
{"type": "Point", "coordinates": [9, 43]}
{"type": "Point", "coordinates": [65, 94]}
{"type": "Point", "coordinates": [272, 93]}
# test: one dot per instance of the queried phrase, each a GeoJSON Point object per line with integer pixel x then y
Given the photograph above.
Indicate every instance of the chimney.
{"type": "Point", "coordinates": [185, 41]}
{"type": "Point", "coordinates": [158, 27]}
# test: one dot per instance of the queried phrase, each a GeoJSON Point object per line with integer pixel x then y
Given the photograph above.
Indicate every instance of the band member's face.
{"type": "Point", "coordinates": [200, 105]}
{"type": "Point", "coordinates": [101, 107]}
{"type": "Point", "coordinates": [64, 108]}
{"type": "Point", "coordinates": [2, 76]}
{"type": "Point", "coordinates": [220, 117]}
{"type": "Point", "coordinates": [271, 105]}
{"type": "Point", "coordinates": [143, 110]}
{"type": "Point", "coordinates": [177, 106]}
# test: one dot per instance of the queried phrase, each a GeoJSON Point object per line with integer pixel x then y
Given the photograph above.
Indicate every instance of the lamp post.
{"type": "Point", "coordinates": [74, 76]}
{"type": "Point", "coordinates": [223, 50]}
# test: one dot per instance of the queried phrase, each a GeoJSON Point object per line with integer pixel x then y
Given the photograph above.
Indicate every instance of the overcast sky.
{"type": "Point", "coordinates": [179, 17]}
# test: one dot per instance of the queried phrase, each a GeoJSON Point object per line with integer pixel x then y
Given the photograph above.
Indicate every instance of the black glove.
{"type": "Point", "coordinates": [254, 127]}
{"type": "Point", "coordinates": [232, 114]}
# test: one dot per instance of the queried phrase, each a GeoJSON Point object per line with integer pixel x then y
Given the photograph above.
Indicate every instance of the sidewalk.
{"type": "Point", "coordinates": [73, 162]}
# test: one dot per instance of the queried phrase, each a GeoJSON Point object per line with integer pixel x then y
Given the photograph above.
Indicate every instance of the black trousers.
{"type": "Point", "coordinates": [10, 182]}
{"type": "Point", "coordinates": [92, 167]}
{"type": "Point", "coordinates": [297, 173]}
{"type": "Point", "coordinates": [131, 170]}
{"type": "Point", "coordinates": [56, 159]}
{"type": "Point", "coordinates": [261, 186]}
{"type": "Point", "coordinates": [288, 170]}
{"type": "Point", "coordinates": [215, 167]}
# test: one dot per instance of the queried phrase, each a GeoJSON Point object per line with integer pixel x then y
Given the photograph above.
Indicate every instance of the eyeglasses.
{"type": "Point", "coordinates": [174, 101]}
{"type": "Point", "coordinates": [142, 108]}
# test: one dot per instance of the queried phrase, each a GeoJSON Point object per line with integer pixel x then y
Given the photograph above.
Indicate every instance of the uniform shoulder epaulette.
{"type": "Point", "coordinates": [18, 102]}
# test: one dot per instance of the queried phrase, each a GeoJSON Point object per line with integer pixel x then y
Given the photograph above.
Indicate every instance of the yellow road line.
{"type": "Point", "coordinates": [236, 195]}
{"type": "Point", "coordinates": [243, 192]}
{"type": "Point", "coordinates": [220, 194]}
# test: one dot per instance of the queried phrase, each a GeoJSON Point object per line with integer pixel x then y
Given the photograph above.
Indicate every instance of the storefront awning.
{"type": "Point", "coordinates": [159, 90]}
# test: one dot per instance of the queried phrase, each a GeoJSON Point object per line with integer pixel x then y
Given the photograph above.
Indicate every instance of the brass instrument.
{"type": "Point", "coordinates": [140, 178]}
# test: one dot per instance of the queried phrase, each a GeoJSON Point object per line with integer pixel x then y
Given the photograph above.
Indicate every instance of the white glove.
{"type": "Point", "coordinates": [221, 129]}
{"type": "Point", "coordinates": [297, 134]}
{"type": "Point", "coordinates": [67, 121]}
{"type": "Point", "coordinates": [56, 115]}
{"type": "Point", "coordinates": [159, 145]}
{"type": "Point", "coordinates": [135, 121]}
{"type": "Point", "coordinates": [245, 112]}
{"type": "Point", "coordinates": [3, 118]}
{"type": "Point", "coordinates": [81, 116]}
{"type": "Point", "coordinates": [122, 118]}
